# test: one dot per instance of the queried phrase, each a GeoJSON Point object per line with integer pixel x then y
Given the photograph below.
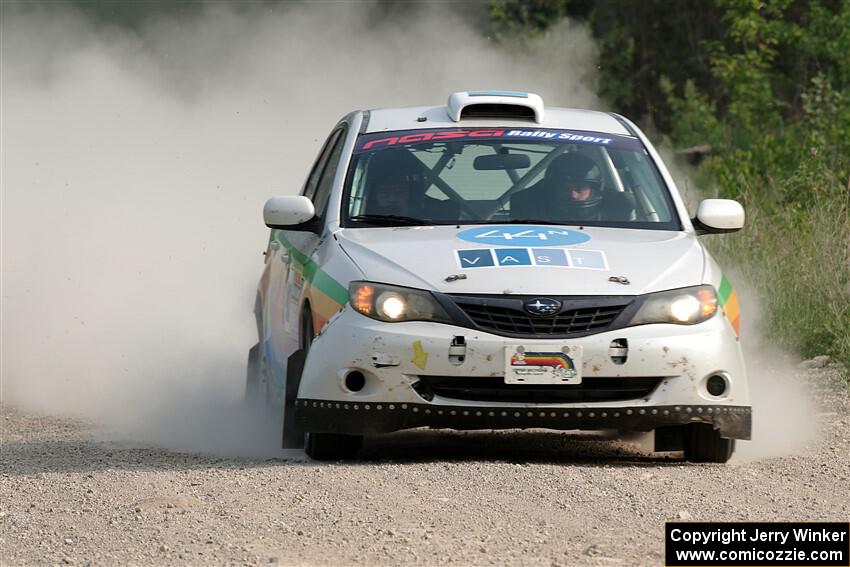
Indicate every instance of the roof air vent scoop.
{"type": "Point", "coordinates": [495, 104]}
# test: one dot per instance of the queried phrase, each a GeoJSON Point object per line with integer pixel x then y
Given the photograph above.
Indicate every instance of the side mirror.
{"type": "Point", "coordinates": [718, 216]}
{"type": "Point", "coordinates": [290, 213]}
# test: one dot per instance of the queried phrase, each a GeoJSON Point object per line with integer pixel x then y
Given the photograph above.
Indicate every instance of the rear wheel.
{"type": "Point", "coordinates": [703, 444]}
{"type": "Point", "coordinates": [333, 446]}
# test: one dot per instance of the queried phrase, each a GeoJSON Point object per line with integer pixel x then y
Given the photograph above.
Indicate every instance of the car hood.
{"type": "Point", "coordinates": [425, 257]}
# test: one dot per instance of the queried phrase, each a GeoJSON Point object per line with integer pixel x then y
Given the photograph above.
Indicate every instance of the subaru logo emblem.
{"type": "Point", "coordinates": [542, 306]}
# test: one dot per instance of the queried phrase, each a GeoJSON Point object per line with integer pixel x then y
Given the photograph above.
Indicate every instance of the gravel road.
{"type": "Point", "coordinates": [419, 498]}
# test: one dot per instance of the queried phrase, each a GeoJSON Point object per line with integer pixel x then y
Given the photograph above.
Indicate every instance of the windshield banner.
{"type": "Point", "coordinates": [380, 140]}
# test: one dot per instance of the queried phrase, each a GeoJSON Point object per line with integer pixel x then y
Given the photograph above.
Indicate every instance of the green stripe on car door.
{"type": "Point", "coordinates": [313, 273]}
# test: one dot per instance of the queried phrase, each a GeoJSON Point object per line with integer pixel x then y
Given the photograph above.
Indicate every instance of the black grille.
{"type": "Point", "coordinates": [494, 389]}
{"type": "Point", "coordinates": [508, 316]}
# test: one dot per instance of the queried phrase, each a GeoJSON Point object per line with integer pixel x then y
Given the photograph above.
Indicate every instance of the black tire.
{"type": "Point", "coordinates": [253, 395]}
{"type": "Point", "coordinates": [333, 446]}
{"type": "Point", "coordinates": [292, 435]}
{"type": "Point", "coordinates": [703, 444]}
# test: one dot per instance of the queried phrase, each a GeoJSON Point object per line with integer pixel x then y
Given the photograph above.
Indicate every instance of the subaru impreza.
{"type": "Point", "coordinates": [493, 263]}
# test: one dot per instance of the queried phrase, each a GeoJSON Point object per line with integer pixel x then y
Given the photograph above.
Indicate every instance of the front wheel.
{"type": "Point", "coordinates": [703, 444]}
{"type": "Point", "coordinates": [332, 446]}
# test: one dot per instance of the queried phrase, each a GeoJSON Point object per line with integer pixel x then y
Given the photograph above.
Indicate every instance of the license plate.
{"type": "Point", "coordinates": [542, 364]}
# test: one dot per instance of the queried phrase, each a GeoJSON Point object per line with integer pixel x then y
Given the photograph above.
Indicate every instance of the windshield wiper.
{"type": "Point", "coordinates": [528, 221]}
{"type": "Point", "coordinates": [391, 220]}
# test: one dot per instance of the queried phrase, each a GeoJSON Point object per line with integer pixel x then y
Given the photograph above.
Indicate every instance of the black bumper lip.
{"type": "Point", "coordinates": [365, 418]}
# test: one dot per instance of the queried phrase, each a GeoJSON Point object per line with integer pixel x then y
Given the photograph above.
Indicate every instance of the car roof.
{"type": "Point", "coordinates": [410, 118]}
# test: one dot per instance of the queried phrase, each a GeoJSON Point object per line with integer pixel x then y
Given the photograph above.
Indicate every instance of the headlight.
{"type": "Point", "coordinates": [687, 306]}
{"type": "Point", "coordinates": [392, 303]}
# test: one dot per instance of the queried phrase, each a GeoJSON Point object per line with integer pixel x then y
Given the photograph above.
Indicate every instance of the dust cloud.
{"type": "Point", "coordinates": [784, 409]}
{"type": "Point", "coordinates": [783, 405]}
{"type": "Point", "coordinates": [134, 168]}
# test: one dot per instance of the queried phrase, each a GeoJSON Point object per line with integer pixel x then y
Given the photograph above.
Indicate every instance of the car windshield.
{"type": "Point", "coordinates": [501, 175]}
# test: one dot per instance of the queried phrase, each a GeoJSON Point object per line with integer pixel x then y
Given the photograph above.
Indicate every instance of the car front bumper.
{"type": "Point", "coordinates": [396, 359]}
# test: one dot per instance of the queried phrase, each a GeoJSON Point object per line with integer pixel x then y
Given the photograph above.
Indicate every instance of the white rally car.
{"type": "Point", "coordinates": [494, 264]}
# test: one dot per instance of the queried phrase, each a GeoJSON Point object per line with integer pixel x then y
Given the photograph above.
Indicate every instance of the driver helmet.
{"type": "Point", "coordinates": [574, 183]}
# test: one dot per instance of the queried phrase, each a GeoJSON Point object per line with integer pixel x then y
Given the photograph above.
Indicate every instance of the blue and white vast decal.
{"type": "Point", "coordinates": [525, 235]}
{"type": "Point", "coordinates": [550, 257]}
{"type": "Point", "coordinates": [537, 257]}
{"type": "Point", "coordinates": [478, 258]}
{"type": "Point", "coordinates": [512, 257]}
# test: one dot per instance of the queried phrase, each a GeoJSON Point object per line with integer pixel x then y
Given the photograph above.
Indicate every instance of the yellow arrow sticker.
{"type": "Point", "coordinates": [420, 356]}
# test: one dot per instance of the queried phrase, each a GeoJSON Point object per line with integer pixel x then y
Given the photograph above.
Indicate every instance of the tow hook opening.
{"type": "Point", "coordinates": [717, 385]}
{"type": "Point", "coordinates": [619, 351]}
{"type": "Point", "coordinates": [355, 381]}
{"type": "Point", "coordinates": [457, 350]}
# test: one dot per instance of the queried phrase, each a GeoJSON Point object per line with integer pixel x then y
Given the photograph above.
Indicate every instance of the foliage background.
{"type": "Point", "coordinates": [758, 94]}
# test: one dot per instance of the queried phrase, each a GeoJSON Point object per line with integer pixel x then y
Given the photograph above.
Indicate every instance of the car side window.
{"type": "Point", "coordinates": [319, 166]}
{"type": "Point", "coordinates": [326, 180]}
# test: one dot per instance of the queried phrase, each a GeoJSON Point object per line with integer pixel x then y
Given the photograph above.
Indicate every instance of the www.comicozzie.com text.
{"type": "Point", "coordinates": [726, 536]}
